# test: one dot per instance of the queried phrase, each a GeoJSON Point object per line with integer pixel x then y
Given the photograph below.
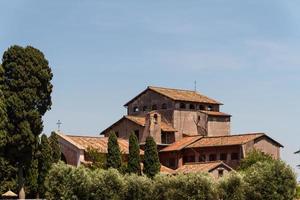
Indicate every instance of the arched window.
{"type": "Point", "coordinates": [164, 106]}
{"type": "Point", "coordinates": [154, 107]}
{"type": "Point", "coordinates": [144, 108]}
{"type": "Point", "coordinates": [135, 109]}
{"type": "Point", "coordinates": [182, 105]}
{"type": "Point", "coordinates": [192, 106]}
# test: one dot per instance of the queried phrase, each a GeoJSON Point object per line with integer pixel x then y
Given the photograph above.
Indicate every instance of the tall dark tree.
{"type": "Point", "coordinates": [114, 159]}
{"type": "Point", "coordinates": [27, 92]}
{"type": "Point", "coordinates": [45, 161]}
{"type": "Point", "coordinates": [134, 161]}
{"type": "Point", "coordinates": [55, 148]}
{"type": "Point", "coordinates": [151, 159]}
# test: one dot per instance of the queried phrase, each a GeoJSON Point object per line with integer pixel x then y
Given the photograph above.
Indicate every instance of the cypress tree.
{"type": "Point", "coordinates": [151, 159]}
{"type": "Point", "coordinates": [134, 165]}
{"type": "Point", "coordinates": [45, 161]}
{"type": "Point", "coordinates": [55, 148]}
{"type": "Point", "coordinates": [27, 92]}
{"type": "Point", "coordinates": [114, 159]}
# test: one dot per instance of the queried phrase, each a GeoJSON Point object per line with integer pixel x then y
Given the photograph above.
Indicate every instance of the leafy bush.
{"type": "Point", "coordinates": [138, 187]}
{"type": "Point", "coordinates": [231, 187]}
{"type": "Point", "coordinates": [253, 157]}
{"type": "Point", "coordinates": [298, 192]}
{"type": "Point", "coordinates": [185, 186]}
{"type": "Point", "coordinates": [270, 181]}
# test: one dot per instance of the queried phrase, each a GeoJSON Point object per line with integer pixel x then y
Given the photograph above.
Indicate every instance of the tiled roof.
{"type": "Point", "coordinates": [225, 140]}
{"type": "Point", "coordinates": [99, 143]}
{"type": "Point", "coordinates": [142, 121]}
{"type": "Point", "coordinates": [201, 167]}
{"type": "Point", "coordinates": [179, 95]}
{"type": "Point", "coordinates": [166, 170]}
{"type": "Point", "coordinates": [215, 113]}
{"type": "Point", "coordinates": [181, 143]}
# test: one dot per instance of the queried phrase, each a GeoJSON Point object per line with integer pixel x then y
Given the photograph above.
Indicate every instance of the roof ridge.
{"type": "Point", "coordinates": [205, 162]}
{"type": "Point", "coordinates": [84, 136]}
{"type": "Point", "coordinates": [185, 90]}
{"type": "Point", "coordinates": [242, 134]}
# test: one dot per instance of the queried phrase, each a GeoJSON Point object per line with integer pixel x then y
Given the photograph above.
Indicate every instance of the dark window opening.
{"type": "Point", "coordinates": [117, 133]}
{"type": "Point", "coordinates": [234, 156]}
{"type": "Point", "coordinates": [202, 158]}
{"type": "Point", "coordinates": [223, 156]}
{"type": "Point", "coordinates": [155, 118]}
{"type": "Point", "coordinates": [137, 134]}
{"type": "Point", "coordinates": [167, 137]}
{"type": "Point", "coordinates": [144, 108]}
{"type": "Point", "coordinates": [154, 107]}
{"type": "Point", "coordinates": [212, 157]}
{"type": "Point", "coordinates": [63, 158]}
{"type": "Point", "coordinates": [135, 109]}
{"type": "Point", "coordinates": [210, 108]}
{"type": "Point", "coordinates": [188, 159]}
{"type": "Point", "coordinates": [172, 163]}
{"type": "Point", "coordinates": [192, 106]}
{"type": "Point", "coordinates": [201, 107]}
{"type": "Point", "coordinates": [220, 172]}
{"type": "Point", "coordinates": [199, 118]}
{"type": "Point", "coordinates": [182, 105]}
{"type": "Point", "coordinates": [164, 106]}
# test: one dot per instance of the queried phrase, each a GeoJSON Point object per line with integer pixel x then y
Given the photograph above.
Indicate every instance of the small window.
{"type": "Point", "coordinates": [155, 118]}
{"type": "Point", "coordinates": [192, 106]}
{"type": "Point", "coordinates": [220, 172]}
{"type": "Point", "coordinates": [212, 157]}
{"type": "Point", "coordinates": [201, 107]}
{"type": "Point", "coordinates": [182, 105]}
{"type": "Point", "coordinates": [172, 163]}
{"type": "Point", "coordinates": [154, 107]}
{"type": "Point", "coordinates": [199, 118]}
{"type": "Point", "coordinates": [164, 106]}
{"type": "Point", "coordinates": [137, 134]}
{"type": "Point", "coordinates": [135, 109]}
{"type": "Point", "coordinates": [234, 156]}
{"type": "Point", "coordinates": [223, 156]}
{"type": "Point", "coordinates": [209, 108]}
{"type": "Point", "coordinates": [117, 133]}
{"type": "Point", "coordinates": [144, 108]}
{"type": "Point", "coordinates": [202, 158]}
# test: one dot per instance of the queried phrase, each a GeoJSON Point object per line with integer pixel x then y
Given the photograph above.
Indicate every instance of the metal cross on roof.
{"type": "Point", "coordinates": [58, 125]}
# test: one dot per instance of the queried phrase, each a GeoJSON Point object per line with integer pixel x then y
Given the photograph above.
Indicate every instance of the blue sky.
{"type": "Point", "coordinates": [102, 53]}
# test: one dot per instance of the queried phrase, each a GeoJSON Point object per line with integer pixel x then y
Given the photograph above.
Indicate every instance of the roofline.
{"type": "Point", "coordinates": [280, 145]}
{"type": "Point", "coordinates": [150, 88]}
{"type": "Point", "coordinates": [69, 140]}
{"type": "Point", "coordinates": [223, 114]}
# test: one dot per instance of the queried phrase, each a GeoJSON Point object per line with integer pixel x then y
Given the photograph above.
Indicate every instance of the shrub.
{"type": "Point", "coordinates": [253, 157]}
{"type": "Point", "coordinates": [185, 186]}
{"type": "Point", "coordinates": [138, 187]}
{"type": "Point", "coordinates": [231, 187]}
{"type": "Point", "coordinates": [270, 181]}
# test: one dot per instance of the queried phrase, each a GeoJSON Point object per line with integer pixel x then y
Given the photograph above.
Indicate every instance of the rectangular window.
{"type": "Point", "coordinates": [117, 133]}
{"type": "Point", "coordinates": [220, 172]}
{"type": "Point", "coordinates": [234, 156]}
{"type": "Point", "coordinates": [167, 137]}
{"type": "Point", "coordinates": [223, 156]}
{"type": "Point", "coordinates": [172, 163]}
{"type": "Point", "coordinates": [202, 158]}
{"type": "Point", "coordinates": [137, 134]}
{"type": "Point", "coordinates": [212, 157]}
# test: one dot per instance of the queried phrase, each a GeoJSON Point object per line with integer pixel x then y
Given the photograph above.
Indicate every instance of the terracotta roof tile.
{"type": "Point", "coordinates": [142, 120]}
{"type": "Point", "coordinates": [201, 167]}
{"type": "Point", "coordinates": [99, 143]}
{"type": "Point", "coordinates": [180, 144]}
{"type": "Point", "coordinates": [225, 140]}
{"type": "Point", "coordinates": [214, 113]}
{"type": "Point", "coordinates": [179, 95]}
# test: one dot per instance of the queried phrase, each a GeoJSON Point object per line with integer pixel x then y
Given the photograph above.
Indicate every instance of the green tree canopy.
{"type": "Point", "coordinates": [151, 159]}
{"type": "Point", "coordinates": [27, 91]}
{"type": "Point", "coordinates": [253, 157]}
{"type": "Point", "coordinates": [55, 148]}
{"type": "Point", "coordinates": [114, 159]}
{"type": "Point", "coordinates": [97, 159]}
{"type": "Point", "coordinates": [134, 161]}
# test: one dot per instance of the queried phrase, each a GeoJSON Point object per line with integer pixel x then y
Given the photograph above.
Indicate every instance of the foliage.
{"type": "Point", "coordinates": [134, 161]}
{"type": "Point", "coordinates": [185, 186]}
{"type": "Point", "coordinates": [55, 149]}
{"type": "Point", "coordinates": [7, 176]}
{"type": "Point", "coordinates": [138, 187]}
{"type": "Point", "coordinates": [27, 91]}
{"type": "Point", "coordinates": [253, 157]}
{"type": "Point", "coordinates": [114, 159]}
{"type": "Point", "coordinates": [298, 192]}
{"type": "Point", "coordinates": [270, 181]}
{"type": "Point", "coordinates": [44, 164]}
{"type": "Point", "coordinates": [97, 159]}
{"type": "Point", "coordinates": [151, 159]}
{"type": "Point", "coordinates": [231, 187]}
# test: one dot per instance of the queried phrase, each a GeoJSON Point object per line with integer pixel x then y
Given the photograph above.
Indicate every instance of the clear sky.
{"type": "Point", "coordinates": [245, 54]}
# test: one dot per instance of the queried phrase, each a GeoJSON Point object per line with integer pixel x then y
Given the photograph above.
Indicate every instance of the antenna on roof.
{"type": "Point", "coordinates": [58, 125]}
{"type": "Point", "coordinates": [195, 86]}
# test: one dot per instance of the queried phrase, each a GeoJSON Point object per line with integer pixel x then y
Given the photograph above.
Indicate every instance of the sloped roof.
{"type": "Point", "coordinates": [99, 143]}
{"type": "Point", "coordinates": [215, 113]}
{"type": "Point", "coordinates": [181, 143]}
{"type": "Point", "coordinates": [141, 120]}
{"type": "Point", "coordinates": [179, 95]}
{"type": "Point", "coordinates": [201, 167]}
{"type": "Point", "coordinates": [213, 141]}
{"type": "Point", "coordinates": [9, 193]}
{"type": "Point", "coordinates": [166, 170]}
